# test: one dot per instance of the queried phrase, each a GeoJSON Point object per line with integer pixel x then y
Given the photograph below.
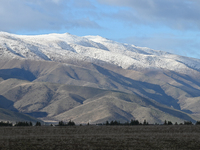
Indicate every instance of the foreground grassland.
{"type": "Point", "coordinates": [101, 137]}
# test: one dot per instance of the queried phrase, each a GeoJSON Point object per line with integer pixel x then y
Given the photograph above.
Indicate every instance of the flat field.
{"type": "Point", "coordinates": [101, 137]}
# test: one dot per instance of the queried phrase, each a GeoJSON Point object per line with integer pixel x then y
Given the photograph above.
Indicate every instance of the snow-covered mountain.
{"type": "Point", "coordinates": [35, 72]}
{"type": "Point", "coordinates": [63, 47]}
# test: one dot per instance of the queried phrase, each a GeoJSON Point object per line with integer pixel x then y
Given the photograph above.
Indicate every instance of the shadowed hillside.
{"type": "Point", "coordinates": [83, 104]}
{"type": "Point", "coordinates": [6, 115]}
{"type": "Point", "coordinates": [170, 88]}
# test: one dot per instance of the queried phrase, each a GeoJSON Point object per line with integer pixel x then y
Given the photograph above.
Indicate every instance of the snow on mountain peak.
{"type": "Point", "coordinates": [61, 47]}
{"type": "Point", "coordinates": [96, 38]}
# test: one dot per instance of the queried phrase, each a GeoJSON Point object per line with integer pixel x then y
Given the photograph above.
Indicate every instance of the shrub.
{"type": "Point", "coordinates": [188, 123]}
{"type": "Point", "coordinates": [197, 123]}
{"type": "Point", "coordinates": [5, 123]}
{"type": "Point", "coordinates": [23, 124]}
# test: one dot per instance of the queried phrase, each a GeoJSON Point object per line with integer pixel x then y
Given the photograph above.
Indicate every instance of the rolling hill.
{"type": "Point", "coordinates": [54, 102]}
{"type": "Point", "coordinates": [9, 113]}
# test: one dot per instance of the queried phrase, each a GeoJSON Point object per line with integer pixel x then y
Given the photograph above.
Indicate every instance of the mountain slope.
{"type": "Point", "coordinates": [82, 104]}
{"type": "Point", "coordinates": [63, 47]}
{"type": "Point", "coordinates": [9, 113]}
{"type": "Point", "coordinates": [6, 115]}
{"type": "Point", "coordinates": [92, 61]}
{"type": "Point", "coordinates": [166, 87]}
{"type": "Point", "coordinates": [95, 76]}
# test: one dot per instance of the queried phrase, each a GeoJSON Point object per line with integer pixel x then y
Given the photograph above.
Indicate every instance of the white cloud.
{"type": "Point", "coordinates": [37, 15]}
{"type": "Point", "coordinates": [177, 14]}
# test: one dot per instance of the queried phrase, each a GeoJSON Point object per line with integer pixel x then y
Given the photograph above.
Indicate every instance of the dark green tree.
{"type": "Point", "coordinates": [5, 123]}
{"type": "Point", "coordinates": [145, 122]}
{"type": "Point", "coordinates": [197, 123]}
{"type": "Point", "coordinates": [169, 123]}
{"type": "Point", "coordinates": [38, 123]}
{"type": "Point", "coordinates": [61, 123]}
{"type": "Point", "coordinates": [23, 124]}
{"type": "Point", "coordinates": [71, 123]}
{"type": "Point", "coordinates": [134, 122]}
{"type": "Point", "coordinates": [165, 122]}
{"type": "Point", "coordinates": [188, 123]}
{"type": "Point", "coordinates": [107, 123]}
{"type": "Point", "coordinates": [112, 122]}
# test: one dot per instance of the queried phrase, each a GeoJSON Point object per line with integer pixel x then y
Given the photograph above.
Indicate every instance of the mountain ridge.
{"type": "Point", "coordinates": [42, 63]}
{"type": "Point", "coordinates": [60, 47]}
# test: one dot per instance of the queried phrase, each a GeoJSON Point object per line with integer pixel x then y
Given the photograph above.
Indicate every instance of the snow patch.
{"type": "Point", "coordinates": [61, 47]}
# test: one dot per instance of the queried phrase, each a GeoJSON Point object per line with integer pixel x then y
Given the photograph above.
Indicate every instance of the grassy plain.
{"type": "Point", "coordinates": [101, 137]}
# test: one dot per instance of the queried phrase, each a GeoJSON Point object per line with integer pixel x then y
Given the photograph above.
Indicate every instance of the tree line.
{"type": "Point", "coordinates": [62, 123]}
{"type": "Point", "coordinates": [136, 122]}
{"type": "Point", "coordinates": [107, 123]}
{"type": "Point", "coordinates": [25, 123]}
{"type": "Point", "coordinates": [5, 123]}
{"type": "Point", "coordinates": [132, 122]}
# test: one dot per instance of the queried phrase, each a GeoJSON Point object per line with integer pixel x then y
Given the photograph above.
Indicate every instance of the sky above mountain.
{"type": "Point", "coordinates": [167, 25]}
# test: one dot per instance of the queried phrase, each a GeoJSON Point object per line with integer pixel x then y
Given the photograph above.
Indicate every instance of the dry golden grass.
{"type": "Point", "coordinates": [101, 137]}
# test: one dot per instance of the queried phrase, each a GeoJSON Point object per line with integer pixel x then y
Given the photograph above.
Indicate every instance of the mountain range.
{"type": "Point", "coordinates": [92, 79]}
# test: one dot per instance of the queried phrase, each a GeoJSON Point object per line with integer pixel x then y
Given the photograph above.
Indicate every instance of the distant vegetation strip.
{"type": "Point", "coordinates": [111, 123]}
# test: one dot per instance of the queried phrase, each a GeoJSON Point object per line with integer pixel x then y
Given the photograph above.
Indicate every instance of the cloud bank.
{"type": "Point", "coordinates": [178, 14]}
{"type": "Point", "coordinates": [65, 14]}
{"type": "Point", "coordinates": [35, 15]}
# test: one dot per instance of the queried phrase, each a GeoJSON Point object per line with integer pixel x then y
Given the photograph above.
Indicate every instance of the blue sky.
{"type": "Point", "coordinates": [168, 25]}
